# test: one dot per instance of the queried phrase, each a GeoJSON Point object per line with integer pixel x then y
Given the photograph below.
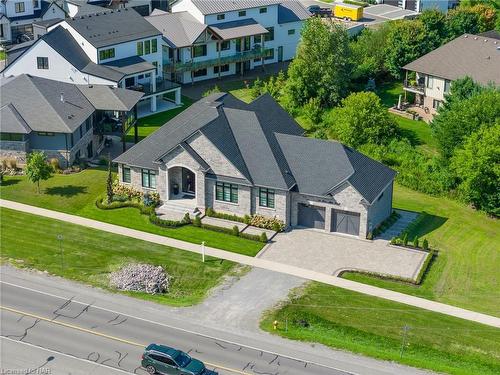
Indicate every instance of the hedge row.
{"type": "Point", "coordinates": [210, 212]}
{"type": "Point", "coordinates": [425, 266]}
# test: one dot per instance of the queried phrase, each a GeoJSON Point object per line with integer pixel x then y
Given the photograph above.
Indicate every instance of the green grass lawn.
{"type": "Point", "coordinates": [76, 194]}
{"type": "Point", "coordinates": [3, 55]}
{"type": "Point", "coordinates": [149, 124]}
{"type": "Point", "coordinates": [418, 132]}
{"type": "Point", "coordinates": [371, 326]}
{"type": "Point", "coordinates": [465, 273]}
{"type": "Point", "coordinates": [89, 255]}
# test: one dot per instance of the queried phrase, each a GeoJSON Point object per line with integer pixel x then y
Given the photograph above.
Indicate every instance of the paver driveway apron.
{"type": "Point", "coordinates": [331, 254]}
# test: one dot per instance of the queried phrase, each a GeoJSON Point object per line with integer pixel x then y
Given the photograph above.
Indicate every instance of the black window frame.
{"type": "Point", "coordinates": [126, 175]}
{"type": "Point", "coordinates": [200, 72]}
{"type": "Point", "coordinates": [140, 48]}
{"type": "Point", "coordinates": [221, 17]}
{"type": "Point", "coordinates": [224, 46]}
{"type": "Point", "coordinates": [46, 134]}
{"type": "Point", "coordinates": [267, 198]}
{"type": "Point", "coordinates": [203, 50]}
{"type": "Point", "coordinates": [148, 173]}
{"type": "Point", "coordinates": [271, 56]}
{"type": "Point", "coordinates": [154, 45]}
{"type": "Point", "coordinates": [12, 137]}
{"type": "Point", "coordinates": [262, 10]}
{"type": "Point", "coordinates": [42, 62]}
{"type": "Point", "coordinates": [147, 47]}
{"type": "Point", "coordinates": [19, 7]}
{"type": "Point", "coordinates": [223, 69]}
{"type": "Point", "coordinates": [226, 192]}
{"type": "Point", "coordinates": [106, 54]}
{"type": "Point", "coordinates": [269, 36]}
{"type": "Point", "coordinates": [242, 13]}
{"type": "Point", "coordinates": [291, 31]}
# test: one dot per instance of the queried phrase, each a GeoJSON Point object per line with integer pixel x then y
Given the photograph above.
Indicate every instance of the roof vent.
{"type": "Point", "coordinates": [466, 36]}
{"type": "Point", "coordinates": [62, 97]}
{"type": "Point", "coordinates": [475, 38]}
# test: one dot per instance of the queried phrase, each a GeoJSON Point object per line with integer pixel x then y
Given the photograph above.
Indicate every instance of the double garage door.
{"type": "Point", "coordinates": [342, 221]}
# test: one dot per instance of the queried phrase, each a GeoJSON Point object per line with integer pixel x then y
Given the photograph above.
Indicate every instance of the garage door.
{"type": "Point", "coordinates": [345, 222]}
{"type": "Point", "coordinates": [311, 216]}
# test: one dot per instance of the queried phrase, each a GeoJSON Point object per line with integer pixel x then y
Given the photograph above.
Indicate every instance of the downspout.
{"type": "Point", "coordinates": [67, 152]}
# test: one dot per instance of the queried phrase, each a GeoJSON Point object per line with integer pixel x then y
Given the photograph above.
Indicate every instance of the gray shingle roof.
{"type": "Point", "coordinates": [38, 101]}
{"type": "Point", "coordinates": [238, 28]}
{"type": "Point", "coordinates": [468, 55]}
{"type": "Point", "coordinates": [292, 11]}
{"type": "Point", "coordinates": [320, 166]}
{"type": "Point", "coordinates": [266, 145]}
{"type": "Point", "coordinates": [220, 6]}
{"type": "Point", "coordinates": [130, 65]}
{"type": "Point", "coordinates": [110, 98]}
{"type": "Point", "coordinates": [179, 29]}
{"type": "Point", "coordinates": [113, 27]}
{"type": "Point", "coordinates": [12, 121]}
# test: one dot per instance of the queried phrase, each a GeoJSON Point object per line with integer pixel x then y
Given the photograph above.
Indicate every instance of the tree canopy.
{"type": "Point", "coordinates": [322, 66]}
{"type": "Point", "coordinates": [359, 120]}
{"type": "Point", "coordinates": [37, 168]}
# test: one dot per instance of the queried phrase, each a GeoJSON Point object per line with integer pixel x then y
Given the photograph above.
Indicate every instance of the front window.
{"type": "Point", "coordinates": [257, 39]}
{"type": "Point", "coordinates": [147, 47]}
{"type": "Point", "coordinates": [126, 174]}
{"type": "Point", "coordinates": [105, 54]}
{"type": "Point", "coordinates": [226, 192]}
{"type": "Point", "coordinates": [242, 13]}
{"type": "Point", "coordinates": [220, 17]}
{"type": "Point", "coordinates": [447, 84]}
{"type": "Point", "coordinates": [36, 4]}
{"type": "Point", "coordinates": [11, 137]}
{"type": "Point", "coordinates": [140, 49]}
{"type": "Point", "coordinates": [200, 50]}
{"type": "Point", "coordinates": [291, 32]}
{"type": "Point", "coordinates": [223, 68]}
{"type": "Point", "coordinates": [46, 134]}
{"type": "Point", "coordinates": [154, 45]}
{"type": "Point", "coordinates": [436, 103]}
{"type": "Point", "coordinates": [224, 46]}
{"type": "Point", "coordinates": [262, 10]}
{"type": "Point", "coordinates": [19, 7]}
{"type": "Point", "coordinates": [430, 82]}
{"type": "Point", "coordinates": [42, 62]}
{"type": "Point", "coordinates": [200, 72]}
{"type": "Point", "coordinates": [270, 35]}
{"type": "Point", "coordinates": [266, 198]}
{"type": "Point", "coordinates": [148, 179]}
{"type": "Point", "coordinates": [269, 54]}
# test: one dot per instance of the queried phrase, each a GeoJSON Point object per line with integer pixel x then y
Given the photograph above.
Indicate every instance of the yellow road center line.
{"type": "Point", "coordinates": [78, 328]}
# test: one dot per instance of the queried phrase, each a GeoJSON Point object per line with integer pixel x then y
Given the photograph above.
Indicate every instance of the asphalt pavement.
{"type": "Point", "coordinates": [114, 340]}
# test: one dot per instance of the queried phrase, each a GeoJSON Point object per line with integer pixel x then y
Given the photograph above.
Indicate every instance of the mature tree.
{"type": "Point", "coordinates": [463, 117]}
{"type": "Point", "coordinates": [462, 20]}
{"type": "Point", "coordinates": [487, 16]}
{"type": "Point", "coordinates": [477, 166]}
{"type": "Point", "coordinates": [322, 67]}
{"type": "Point", "coordinates": [37, 168]}
{"type": "Point", "coordinates": [361, 119]}
{"type": "Point", "coordinates": [461, 89]}
{"type": "Point", "coordinates": [434, 23]}
{"type": "Point", "coordinates": [368, 52]}
{"type": "Point", "coordinates": [406, 42]}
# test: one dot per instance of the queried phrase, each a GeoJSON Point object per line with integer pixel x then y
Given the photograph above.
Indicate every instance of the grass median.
{"type": "Point", "coordinates": [87, 255]}
{"type": "Point", "coordinates": [375, 327]}
{"type": "Point", "coordinates": [77, 193]}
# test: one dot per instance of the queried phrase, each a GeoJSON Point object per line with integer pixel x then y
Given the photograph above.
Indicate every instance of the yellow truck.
{"type": "Point", "coordinates": [348, 11]}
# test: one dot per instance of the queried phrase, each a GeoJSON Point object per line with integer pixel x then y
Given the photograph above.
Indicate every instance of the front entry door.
{"type": "Point", "coordinates": [188, 181]}
{"type": "Point", "coordinates": [90, 152]}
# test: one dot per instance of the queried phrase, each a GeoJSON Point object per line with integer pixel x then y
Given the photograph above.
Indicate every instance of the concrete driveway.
{"type": "Point", "coordinates": [331, 254]}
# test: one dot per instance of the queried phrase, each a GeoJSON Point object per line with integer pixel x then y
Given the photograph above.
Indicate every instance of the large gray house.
{"type": "Point", "coordinates": [253, 159]}
{"type": "Point", "coordinates": [61, 119]}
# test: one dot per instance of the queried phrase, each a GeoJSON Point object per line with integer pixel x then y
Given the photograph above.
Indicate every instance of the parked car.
{"type": "Point", "coordinates": [161, 359]}
{"type": "Point", "coordinates": [316, 10]}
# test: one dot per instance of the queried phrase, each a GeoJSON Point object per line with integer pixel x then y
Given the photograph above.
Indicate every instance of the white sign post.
{"type": "Point", "coordinates": [203, 251]}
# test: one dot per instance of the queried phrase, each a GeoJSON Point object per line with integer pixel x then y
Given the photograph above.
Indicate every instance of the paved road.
{"type": "Point", "coordinates": [116, 340]}
{"type": "Point", "coordinates": [262, 263]}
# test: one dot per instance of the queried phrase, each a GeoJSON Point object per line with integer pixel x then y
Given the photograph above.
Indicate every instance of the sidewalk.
{"type": "Point", "coordinates": [262, 263]}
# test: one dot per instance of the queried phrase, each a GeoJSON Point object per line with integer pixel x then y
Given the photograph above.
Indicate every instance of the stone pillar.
{"type": "Point", "coordinates": [178, 100]}
{"type": "Point", "coordinates": [153, 103]}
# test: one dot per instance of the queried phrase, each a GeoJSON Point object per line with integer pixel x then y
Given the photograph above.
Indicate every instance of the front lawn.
{"type": "Point", "coordinates": [465, 273]}
{"type": "Point", "coordinates": [76, 194]}
{"type": "Point", "coordinates": [89, 255]}
{"type": "Point", "coordinates": [372, 326]}
{"type": "Point", "coordinates": [150, 124]}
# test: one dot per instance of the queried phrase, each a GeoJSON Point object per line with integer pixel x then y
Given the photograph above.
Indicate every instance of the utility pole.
{"type": "Point", "coordinates": [404, 339]}
{"type": "Point", "coordinates": [60, 239]}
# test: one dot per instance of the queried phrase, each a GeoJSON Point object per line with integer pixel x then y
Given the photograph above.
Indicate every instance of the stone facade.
{"type": "Point", "coordinates": [14, 150]}
{"type": "Point", "coordinates": [281, 208]}
{"type": "Point", "coordinates": [242, 208]}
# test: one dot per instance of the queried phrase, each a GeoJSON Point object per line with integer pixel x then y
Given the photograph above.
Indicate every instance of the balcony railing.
{"type": "Point", "coordinates": [415, 87]}
{"type": "Point", "coordinates": [256, 53]}
{"type": "Point", "coordinates": [162, 85]}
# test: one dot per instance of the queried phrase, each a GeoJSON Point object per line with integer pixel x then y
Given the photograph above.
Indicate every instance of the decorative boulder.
{"type": "Point", "coordinates": [141, 278]}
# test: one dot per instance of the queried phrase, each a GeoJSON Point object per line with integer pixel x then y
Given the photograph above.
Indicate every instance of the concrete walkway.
{"type": "Point", "coordinates": [262, 263]}
{"type": "Point", "coordinates": [407, 217]}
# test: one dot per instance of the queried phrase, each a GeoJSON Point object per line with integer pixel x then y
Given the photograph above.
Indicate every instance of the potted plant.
{"type": "Point", "coordinates": [175, 188]}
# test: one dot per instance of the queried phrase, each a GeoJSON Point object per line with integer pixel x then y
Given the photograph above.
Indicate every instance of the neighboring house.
{"type": "Point", "coordinates": [210, 38]}
{"type": "Point", "coordinates": [17, 16]}
{"type": "Point", "coordinates": [253, 159]}
{"type": "Point", "coordinates": [117, 48]}
{"type": "Point", "coordinates": [421, 5]}
{"type": "Point", "coordinates": [61, 119]}
{"type": "Point", "coordinates": [468, 55]}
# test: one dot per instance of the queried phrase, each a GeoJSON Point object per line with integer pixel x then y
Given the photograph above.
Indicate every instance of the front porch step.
{"type": "Point", "coordinates": [171, 207]}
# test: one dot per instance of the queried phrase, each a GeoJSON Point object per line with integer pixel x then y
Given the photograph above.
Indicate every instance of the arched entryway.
{"type": "Point", "coordinates": [182, 183]}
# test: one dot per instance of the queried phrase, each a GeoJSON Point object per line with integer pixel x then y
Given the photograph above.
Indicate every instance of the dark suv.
{"type": "Point", "coordinates": [161, 359]}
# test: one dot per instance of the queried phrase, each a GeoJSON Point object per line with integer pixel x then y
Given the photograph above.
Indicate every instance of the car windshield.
{"type": "Point", "coordinates": [182, 359]}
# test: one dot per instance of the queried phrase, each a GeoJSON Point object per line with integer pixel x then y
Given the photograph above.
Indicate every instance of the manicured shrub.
{"type": "Point", "coordinates": [263, 237]}
{"type": "Point", "coordinates": [54, 162]}
{"type": "Point", "coordinates": [209, 212]}
{"type": "Point", "coordinates": [236, 230]}
{"type": "Point", "coordinates": [264, 222]}
{"type": "Point", "coordinates": [186, 219]}
{"type": "Point", "coordinates": [405, 239]}
{"type": "Point", "coordinates": [369, 236]}
{"type": "Point", "coordinates": [164, 223]}
{"type": "Point", "coordinates": [425, 244]}
{"type": "Point", "coordinates": [141, 278]}
{"type": "Point", "coordinates": [12, 163]}
{"type": "Point", "coordinates": [247, 219]}
{"type": "Point", "coordinates": [415, 242]}
{"type": "Point", "coordinates": [197, 221]}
